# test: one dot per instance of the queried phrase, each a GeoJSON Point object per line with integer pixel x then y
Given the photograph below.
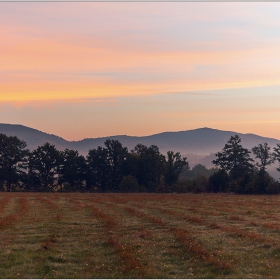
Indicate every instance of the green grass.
{"type": "Point", "coordinates": [139, 236]}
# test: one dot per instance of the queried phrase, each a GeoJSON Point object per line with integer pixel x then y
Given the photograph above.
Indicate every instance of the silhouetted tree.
{"type": "Point", "coordinates": [129, 184]}
{"type": "Point", "coordinates": [72, 169]}
{"type": "Point", "coordinates": [151, 166]}
{"type": "Point", "coordinates": [131, 165]}
{"type": "Point", "coordinates": [218, 182]}
{"type": "Point", "coordinates": [197, 170]}
{"type": "Point", "coordinates": [13, 160]}
{"type": "Point", "coordinates": [106, 166]}
{"type": "Point", "coordinates": [234, 158]}
{"type": "Point", "coordinates": [116, 157]}
{"type": "Point", "coordinates": [98, 169]}
{"type": "Point", "coordinates": [262, 152]}
{"type": "Point", "coordinates": [276, 155]}
{"type": "Point", "coordinates": [174, 166]}
{"type": "Point", "coordinates": [44, 164]}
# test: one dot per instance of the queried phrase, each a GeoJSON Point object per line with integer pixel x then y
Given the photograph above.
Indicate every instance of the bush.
{"type": "Point", "coordinates": [218, 182]}
{"type": "Point", "coordinates": [265, 184]}
{"type": "Point", "coordinates": [129, 184]}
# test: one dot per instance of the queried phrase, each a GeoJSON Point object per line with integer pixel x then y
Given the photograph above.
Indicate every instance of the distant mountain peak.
{"type": "Point", "coordinates": [202, 141]}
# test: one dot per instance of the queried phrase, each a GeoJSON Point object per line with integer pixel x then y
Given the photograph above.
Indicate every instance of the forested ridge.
{"type": "Point", "coordinates": [112, 168]}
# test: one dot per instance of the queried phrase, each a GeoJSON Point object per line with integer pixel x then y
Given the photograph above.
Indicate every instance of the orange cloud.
{"type": "Point", "coordinates": [27, 60]}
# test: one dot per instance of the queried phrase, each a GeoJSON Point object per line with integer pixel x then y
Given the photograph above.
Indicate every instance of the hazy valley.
{"type": "Point", "coordinates": [199, 145]}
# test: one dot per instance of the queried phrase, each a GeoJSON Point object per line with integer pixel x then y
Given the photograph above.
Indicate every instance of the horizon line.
{"type": "Point", "coordinates": [119, 135]}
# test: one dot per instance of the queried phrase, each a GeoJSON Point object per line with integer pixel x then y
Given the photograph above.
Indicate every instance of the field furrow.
{"type": "Point", "coordinates": [76, 235]}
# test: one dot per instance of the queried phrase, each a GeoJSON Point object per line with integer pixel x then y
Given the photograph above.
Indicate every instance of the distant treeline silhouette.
{"type": "Point", "coordinates": [112, 168]}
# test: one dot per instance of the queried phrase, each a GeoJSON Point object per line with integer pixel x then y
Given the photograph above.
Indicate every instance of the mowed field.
{"type": "Point", "coordinates": [139, 236]}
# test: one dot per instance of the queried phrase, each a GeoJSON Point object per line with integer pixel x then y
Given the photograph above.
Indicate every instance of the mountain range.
{"type": "Point", "coordinates": [199, 145]}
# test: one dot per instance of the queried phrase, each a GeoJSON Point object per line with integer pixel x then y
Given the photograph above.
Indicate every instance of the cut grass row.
{"type": "Point", "coordinates": [186, 239]}
{"type": "Point", "coordinates": [267, 244]}
{"type": "Point", "coordinates": [14, 217]}
{"type": "Point", "coordinates": [129, 262]}
{"type": "Point", "coordinates": [138, 236]}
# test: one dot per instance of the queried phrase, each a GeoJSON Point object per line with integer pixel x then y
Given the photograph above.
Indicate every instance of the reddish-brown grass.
{"type": "Point", "coordinates": [7, 240]}
{"type": "Point", "coordinates": [127, 255]}
{"type": "Point", "coordinates": [192, 219]}
{"type": "Point", "coordinates": [4, 201]}
{"type": "Point", "coordinates": [140, 235]}
{"type": "Point", "coordinates": [116, 198]}
{"type": "Point", "coordinates": [49, 243]}
{"type": "Point", "coordinates": [198, 249]}
{"type": "Point", "coordinates": [140, 214]}
{"type": "Point", "coordinates": [14, 217]}
{"type": "Point", "coordinates": [48, 202]}
{"type": "Point", "coordinates": [108, 220]}
{"type": "Point", "coordinates": [184, 238]}
{"type": "Point", "coordinates": [271, 225]}
{"type": "Point", "coordinates": [213, 225]}
{"type": "Point", "coordinates": [235, 218]}
{"type": "Point", "coordinates": [253, 236]}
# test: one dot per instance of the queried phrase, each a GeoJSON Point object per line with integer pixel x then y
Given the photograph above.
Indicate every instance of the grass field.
{"type": "Point", "coordinates": [139, 236]}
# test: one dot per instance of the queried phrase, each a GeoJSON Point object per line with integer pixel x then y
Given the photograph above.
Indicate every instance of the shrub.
{"type": "Point", "coordinates": [129, 184]}
{"type": "Point", "coordinates": [218, 182]}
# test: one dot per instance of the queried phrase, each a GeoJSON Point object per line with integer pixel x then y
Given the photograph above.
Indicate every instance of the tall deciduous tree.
{"type": "Point", "coordinates": [265, 157]}
{"type": "Point", "coordinates": [262, 152]}
{"type": "Point", "coordinates": [151, 165]}
{"type": "Point", "coordinates": [234, 158]}
{"type": "Point", "coordinates": [98, 169]}
{"type": "Point", "coordinates": [13, 160]}
{"type": "Point", "coordinates": [106, 166]}
{"type": "Point", "coordinates": [72, 169]}
{"type": "Point", "coordinates": [116, 157]}
{"type": "Point", "coordinates": [276, 154]}
{"type": "Point", "coordinates": [174, 166]}
{"type": "Point", "coordinates": [44, 164]}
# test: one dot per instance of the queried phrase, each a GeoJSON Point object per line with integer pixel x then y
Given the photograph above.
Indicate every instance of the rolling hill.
{"type": "Point", "coordinates": [201, 141]}
{"type": "Point", "coordinates": [199, 145]}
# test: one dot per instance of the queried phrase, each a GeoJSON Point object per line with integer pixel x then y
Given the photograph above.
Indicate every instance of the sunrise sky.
{"type": "Point", "coordinates": [92, 69]}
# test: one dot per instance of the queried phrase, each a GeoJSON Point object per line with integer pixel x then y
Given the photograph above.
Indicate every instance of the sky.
{"type": "Point", "coordinates": [93, 69]}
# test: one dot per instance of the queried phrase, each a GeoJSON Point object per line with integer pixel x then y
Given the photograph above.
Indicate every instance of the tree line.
{"type": "Point", "coordinates": [112, 168]}
{"type": "Point", "coordinates": [239, 173]}
{"type": "Point", "coordinates": [235, 171]}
